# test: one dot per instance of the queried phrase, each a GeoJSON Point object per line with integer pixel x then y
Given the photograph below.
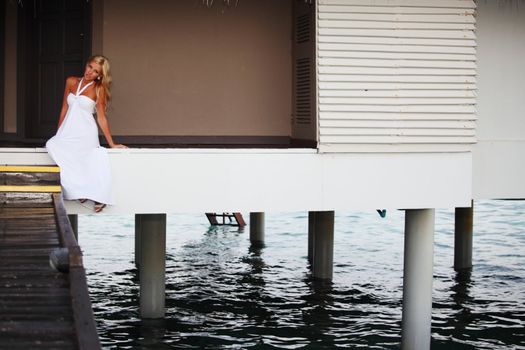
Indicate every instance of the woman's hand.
{"type": "Point", "coordinates": [118, 145]}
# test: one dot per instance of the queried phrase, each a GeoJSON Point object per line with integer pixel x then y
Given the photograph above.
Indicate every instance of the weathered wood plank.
{"type": "Point", "coordinates": [32, 275]}
{"type": "Point", "coordinates": [36, 312]}
{"type": "Point", "coordinates": [82, 311]}
{"type": "Point", "coordinates": [20, 252]}
{"type": "Point", "coordinates": [35, 284]}
{"type": "Point", "coordinates": [10, 228]}
{"type": "Point", "coordinates": [24, 199]}
{"type": "Point", "coordinates": [36, 296]}
{"type": "Point", "coordinates": [19, 178]}
{"type": "Point", "coordinates": [31, 241]}
{"type": "Point", "coordinates": [65, 232]}
{"type": "Point", "coordinates": [21, 213]}
{"type": "Point", "coordinates": [39, 307]}
{"type": "Point", "coordinates": [42, 329]}
{"type": "Point", "coordinates": [40, 264]}
{"type": "Point", "coordinates": [17, 343]}
{"type": "Point", "coordinates": [49, 311]}
{"type": "Point", "coordinates": [34, 293]}
{"type": "Point", "coordinates": [43, 232]}
{"type": "Point", "coordinates": [27, 260]}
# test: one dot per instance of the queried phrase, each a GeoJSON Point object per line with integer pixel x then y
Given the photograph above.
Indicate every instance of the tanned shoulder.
{"type": "Point", "coordinates": [70, 81]}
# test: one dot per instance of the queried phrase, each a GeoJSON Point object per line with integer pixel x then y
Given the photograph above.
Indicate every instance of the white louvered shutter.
{"type": "Point", "coordinates": [396, 75]}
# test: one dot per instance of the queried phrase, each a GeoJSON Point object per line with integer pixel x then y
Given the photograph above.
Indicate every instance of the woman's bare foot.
{"type": "Point", "coordinates": [99, 207]}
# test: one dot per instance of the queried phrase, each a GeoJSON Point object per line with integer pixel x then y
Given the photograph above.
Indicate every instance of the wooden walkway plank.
{"type": "Point", "coordinates": [40, 308]}
{"type": "Point", "coordinates": [24, 199]}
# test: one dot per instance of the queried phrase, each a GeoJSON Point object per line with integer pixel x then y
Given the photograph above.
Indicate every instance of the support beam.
{"type": "Point", "coordinates": [257, 228]}
{"type": "Point", "coordinates": [323, 245]}
{"type": "Point", "coordinates": [73, 220]}
{"type": "Point", "coordinates": [417, 279]}
{"type": "Point", "coordinates": [311, 235]}
{"type": "Point", "coordinates": [152, 265]}
{"type": "Point", "coordinates": [137, 240]}
{"type": "Point", "coordinates": [464, 221]}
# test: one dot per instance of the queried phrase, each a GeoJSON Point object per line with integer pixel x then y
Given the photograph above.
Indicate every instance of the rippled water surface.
{"type": "Point", "coordinates": [223, 294]}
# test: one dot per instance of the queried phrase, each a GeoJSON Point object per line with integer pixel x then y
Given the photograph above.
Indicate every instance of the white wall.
{"type": "Point", "coordinates": [499, 156]}
{"type": "Point", "coordinates": [200, 180]}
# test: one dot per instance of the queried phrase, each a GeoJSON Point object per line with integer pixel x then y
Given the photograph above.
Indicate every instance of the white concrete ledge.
{"type": "Point", "coordinates": [499, 169]}
{"type": "Point", "coordinates": [200, 180]}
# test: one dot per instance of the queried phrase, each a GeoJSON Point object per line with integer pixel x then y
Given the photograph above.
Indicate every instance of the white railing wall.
{"type": "Point", "coordinates": [396, 75]}
{"type": "Point", "coordinates": [189, 180]}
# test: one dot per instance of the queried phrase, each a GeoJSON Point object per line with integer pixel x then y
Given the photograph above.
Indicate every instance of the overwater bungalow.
{"type": "Point", "coordinates": [286, 105]}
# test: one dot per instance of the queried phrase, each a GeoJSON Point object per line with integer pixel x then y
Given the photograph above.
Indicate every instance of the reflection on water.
{"type": "Point", "coordinates": [223, 293]}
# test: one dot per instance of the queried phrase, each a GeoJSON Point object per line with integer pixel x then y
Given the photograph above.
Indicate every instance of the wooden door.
{"type": "Point", "coordinates": [2, 57]}
{"type": "Point", "coordinates": [56, 45]}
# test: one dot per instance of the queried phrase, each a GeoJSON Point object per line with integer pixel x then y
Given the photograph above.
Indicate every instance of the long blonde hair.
{"type": "Point", "coordinates": [105, 77]}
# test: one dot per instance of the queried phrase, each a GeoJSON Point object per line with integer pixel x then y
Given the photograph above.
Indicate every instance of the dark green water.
{"type": "Point", "coordinates": [223, 294]}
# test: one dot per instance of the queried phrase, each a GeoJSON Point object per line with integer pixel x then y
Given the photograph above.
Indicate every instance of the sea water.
{"type": "Point", "coordinates": [222, 293]}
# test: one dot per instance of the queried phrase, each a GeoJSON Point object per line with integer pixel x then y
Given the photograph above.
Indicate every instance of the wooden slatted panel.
{"type": "Point", "coordinates": [396, 75]}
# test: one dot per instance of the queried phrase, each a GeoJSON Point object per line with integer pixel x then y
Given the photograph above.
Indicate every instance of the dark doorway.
{"type": "Point", "coordinates": [2, 64]}
{"type": "Point", "coordinates": [54, 43]}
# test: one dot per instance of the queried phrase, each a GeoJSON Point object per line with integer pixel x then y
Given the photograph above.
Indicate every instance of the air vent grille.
{"type": "Point", "coordinates": [303, 91]}
{"type": "Point", "coordinates": [302, 30]}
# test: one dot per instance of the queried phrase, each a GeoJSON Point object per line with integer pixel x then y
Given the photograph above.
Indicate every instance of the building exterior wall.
{"type": "Point", "coordinates": [498, 158]}
{"type": "Point", "coordinates": [171, 63]}
{"type": "Point", "coordinates": [396, 75]}
{"type": "Point", "coordinates": [180, 68]}
{"type": "Point", "coordinates": [97, 26]}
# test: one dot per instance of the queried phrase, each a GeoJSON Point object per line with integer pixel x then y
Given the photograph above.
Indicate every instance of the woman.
{"type": "Point", "coordinates": [84, 165]}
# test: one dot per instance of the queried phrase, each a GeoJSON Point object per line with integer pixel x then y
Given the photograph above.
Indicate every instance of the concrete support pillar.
{"type": "Point", "coordinates": [152, 265]}
{"type": "Point", "coordinates": [137, 240]}
{"type": "Point", "coordinates": [73, 220]}
{"type": "Point", "coordinates": [311, 235]}
{"type": "Point", "coordinates": [417, 279]}
{"type": "Point", "coordinates": [257, 228]}
{"type": "Point", "coordinates": [464, 219]}
{"type": "Point", "coordinates": [323, 245]}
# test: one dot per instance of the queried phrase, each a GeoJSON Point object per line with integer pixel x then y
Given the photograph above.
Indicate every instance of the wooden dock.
{"type": "Point", "coordinates": [39, 306]}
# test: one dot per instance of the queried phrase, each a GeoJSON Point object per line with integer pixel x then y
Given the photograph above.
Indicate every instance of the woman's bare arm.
{"type": "Point", "coordinates": [103, 121]}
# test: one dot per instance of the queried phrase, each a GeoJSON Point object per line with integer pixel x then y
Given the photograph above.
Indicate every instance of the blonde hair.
{"type": "Point", "coordinates": [105, 77]}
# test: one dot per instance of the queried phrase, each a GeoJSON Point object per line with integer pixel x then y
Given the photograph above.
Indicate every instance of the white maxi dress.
{"type": "Point", "coordinates": [84, 164]}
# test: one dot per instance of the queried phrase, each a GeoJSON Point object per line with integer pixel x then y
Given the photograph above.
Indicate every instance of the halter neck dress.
{"type": "Point", "coordinates": [84, 164]}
